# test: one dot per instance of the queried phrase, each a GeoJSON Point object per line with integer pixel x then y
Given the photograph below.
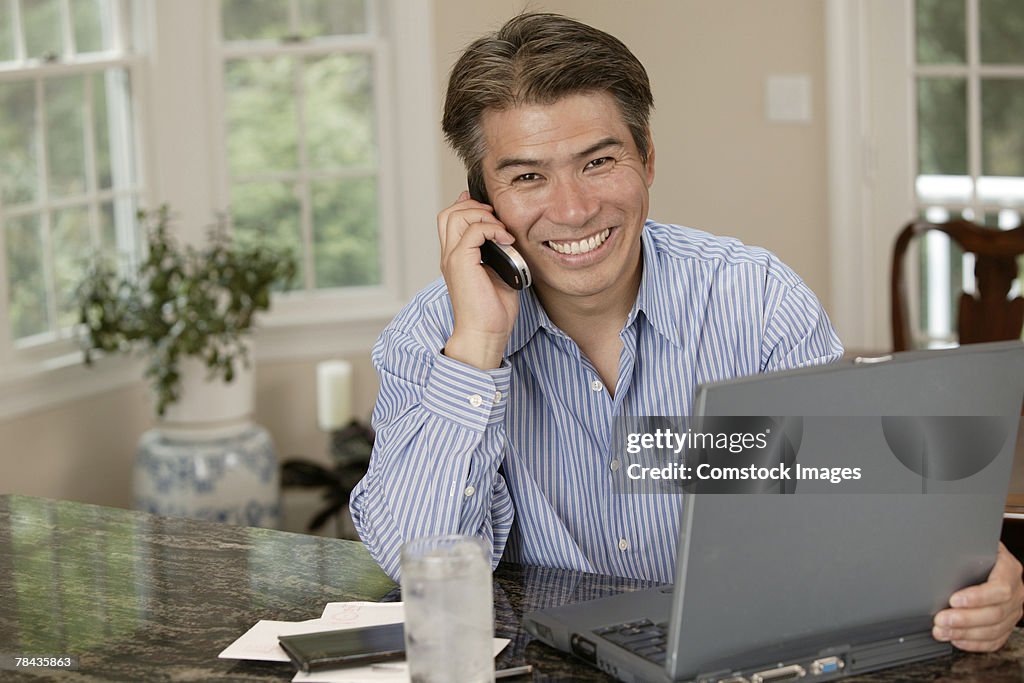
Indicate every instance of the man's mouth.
{"type": "Point", "coordinates": [581, 246]}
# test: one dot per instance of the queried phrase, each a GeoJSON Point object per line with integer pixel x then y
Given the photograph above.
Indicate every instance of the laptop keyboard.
{"type": "Point", "coordinates": [642, 637]}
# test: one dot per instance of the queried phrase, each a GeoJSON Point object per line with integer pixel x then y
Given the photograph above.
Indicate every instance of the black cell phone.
{"type": "Point", "coordinates": [501, 258]}
{"type": "Point", "coordinates": [345, 647]}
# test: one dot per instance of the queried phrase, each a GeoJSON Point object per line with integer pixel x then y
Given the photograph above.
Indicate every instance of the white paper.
{"type": "Point", "coordinates": [260, 641]}
{"type": "Point", "coordinates": [393, 672]}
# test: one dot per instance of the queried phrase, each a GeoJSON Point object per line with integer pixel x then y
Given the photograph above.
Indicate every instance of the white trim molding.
{"type": "Point", "coordinates": [871, 159]}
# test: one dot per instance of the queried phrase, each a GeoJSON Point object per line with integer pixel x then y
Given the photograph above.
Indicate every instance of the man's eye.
{"type": "Point", "coordinates": [526, 177]}
{"type": "Point", "coordinates": [597, 163]}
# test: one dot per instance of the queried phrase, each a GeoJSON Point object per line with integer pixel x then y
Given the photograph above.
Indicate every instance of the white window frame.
{"type": "Point", "coordinates": [181, 129]}
{"type": "Point", "coordinates": [24, 363]}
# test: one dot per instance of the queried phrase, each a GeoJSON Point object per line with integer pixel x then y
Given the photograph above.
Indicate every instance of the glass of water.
{"type": "Point", "coordinates": [449, 609]}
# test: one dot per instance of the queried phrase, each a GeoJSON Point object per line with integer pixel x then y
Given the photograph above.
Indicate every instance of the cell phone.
{"type": "Point", "coordinates": [345, 647]}
{"type": "Point", "coordinates": [501, 258]}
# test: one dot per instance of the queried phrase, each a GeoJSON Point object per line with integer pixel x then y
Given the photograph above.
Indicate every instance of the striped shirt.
{"type": "Point", "coordinates": [521, 455]}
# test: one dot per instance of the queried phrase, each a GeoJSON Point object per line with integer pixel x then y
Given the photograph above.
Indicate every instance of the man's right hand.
{"type": "Point", "coordinates": [485, 307]}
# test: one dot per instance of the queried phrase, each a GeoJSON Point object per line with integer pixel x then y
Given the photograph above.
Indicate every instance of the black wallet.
{"type": "Point", "coordinates": [345, 647]}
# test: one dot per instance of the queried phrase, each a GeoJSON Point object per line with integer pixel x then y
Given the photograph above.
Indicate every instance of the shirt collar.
{"type": "Point", "coordinates": [656, 297]}
{"type": "Point", "coordinates": [653, 299]}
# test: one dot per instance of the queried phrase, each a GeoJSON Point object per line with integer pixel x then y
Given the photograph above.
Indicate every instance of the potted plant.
{"type": "Point", "coordinates": [183, 302]}
{"type": "Point", "coordinates": [190, 310]}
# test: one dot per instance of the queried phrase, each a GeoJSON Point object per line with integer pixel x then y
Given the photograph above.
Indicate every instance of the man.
{"type": "Point", "coordinates": [496, 408]}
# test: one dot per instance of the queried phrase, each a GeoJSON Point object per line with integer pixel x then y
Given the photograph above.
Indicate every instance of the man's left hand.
{"type": "Point", "coordinates": [981, 617]}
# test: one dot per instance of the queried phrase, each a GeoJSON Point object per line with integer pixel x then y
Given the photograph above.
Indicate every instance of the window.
{"type": "Point", "coordinates": [313, 121]}
{"type": "Point", "coordinates": [969, 77]}
{"type": "Point", "coordinates": [301, 87]}
{"type": "Point", "coordinates": [69, 173]}
{"type": "Point", "coordinates": [925, 103]}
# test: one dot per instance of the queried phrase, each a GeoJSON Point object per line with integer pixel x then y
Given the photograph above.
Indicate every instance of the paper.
{"type": "Point", "coordinates": [260, 641]}
{"type": "Point", "coordinates": [394, 672]}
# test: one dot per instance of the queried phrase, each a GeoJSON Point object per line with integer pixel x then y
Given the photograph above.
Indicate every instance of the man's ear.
{"type": "Point", "coordinates": [649, 164]}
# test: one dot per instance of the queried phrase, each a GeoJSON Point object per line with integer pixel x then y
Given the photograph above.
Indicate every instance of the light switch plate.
{"type": "Point", "coordinates": [788, 98]}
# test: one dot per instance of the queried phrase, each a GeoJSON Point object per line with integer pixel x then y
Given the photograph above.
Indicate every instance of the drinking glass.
{"type": "Point", "coordinates": [449, 609]}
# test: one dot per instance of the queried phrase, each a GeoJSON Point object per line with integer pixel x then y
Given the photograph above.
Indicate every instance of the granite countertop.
{"type": "Point", "coordinates": [144, 598]}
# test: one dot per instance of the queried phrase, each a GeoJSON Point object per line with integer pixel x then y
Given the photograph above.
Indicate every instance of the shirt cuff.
{"type": "Point", "coordinates": [472, 397]}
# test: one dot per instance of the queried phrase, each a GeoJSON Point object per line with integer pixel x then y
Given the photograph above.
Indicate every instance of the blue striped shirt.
{"type": "Point", "coordinates": [521, 455]}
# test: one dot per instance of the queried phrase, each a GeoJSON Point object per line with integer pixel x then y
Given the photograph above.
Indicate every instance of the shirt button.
{"type": "Point", "coordinates": [615, 464]}
{"type": "Point", "coordinates": [596, 385]}
{"type": "Point", "coordinates": [497, 396]}
{"type": "Point", "coordinates": [469, 491]}
{"type": "Point", "coordinates": [475, 400]}
{"type": "Point", "coordinates": [623, 544]}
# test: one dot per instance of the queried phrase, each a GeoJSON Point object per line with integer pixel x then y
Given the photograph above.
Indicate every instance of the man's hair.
{"type": "Point", "coordinates": [538, 58]}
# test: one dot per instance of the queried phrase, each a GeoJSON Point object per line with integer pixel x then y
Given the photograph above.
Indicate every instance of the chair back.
{"type": "Point", "coordinates": [989, 315]}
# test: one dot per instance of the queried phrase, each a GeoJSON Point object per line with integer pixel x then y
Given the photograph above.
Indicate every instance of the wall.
{"type": "Point", "coordinates": [720, 167]}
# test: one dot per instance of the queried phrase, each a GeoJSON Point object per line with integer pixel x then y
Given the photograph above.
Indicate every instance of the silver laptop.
{"type": "Point", "coordinates": [827, 580]}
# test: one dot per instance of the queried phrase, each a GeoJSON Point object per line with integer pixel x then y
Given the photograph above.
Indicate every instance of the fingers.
{"type": "Point", "coordinates": [453, 220]}
{"type": "Point", "coordinates": [983, 616]}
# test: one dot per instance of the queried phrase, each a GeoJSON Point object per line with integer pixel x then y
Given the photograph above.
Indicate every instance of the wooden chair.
{"type": "Point", "coordinates": [986, 316]}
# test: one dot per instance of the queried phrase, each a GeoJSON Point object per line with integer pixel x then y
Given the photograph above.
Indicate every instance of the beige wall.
{"type": "Point", "coordinates": [720, 167]}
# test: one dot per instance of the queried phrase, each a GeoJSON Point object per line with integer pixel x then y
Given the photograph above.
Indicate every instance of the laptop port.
{"type": "Point", "coordinates": [827, 665]}
{"type": "Point", "coordinates": [583, 648]}
{"type": "Point", "coordinates": [783, 673]}
{"type": "Point", "coordinates": [733, 679]}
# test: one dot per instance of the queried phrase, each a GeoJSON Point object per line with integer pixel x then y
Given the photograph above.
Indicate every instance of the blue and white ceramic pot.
{"type": "Point", "coordinates": [207, 459]}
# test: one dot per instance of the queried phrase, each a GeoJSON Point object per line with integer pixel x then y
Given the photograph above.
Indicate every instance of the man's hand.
{"type": "Point", "coordinates": [485, 307]}
{"type": "Point", "coordinates": [981, 617]}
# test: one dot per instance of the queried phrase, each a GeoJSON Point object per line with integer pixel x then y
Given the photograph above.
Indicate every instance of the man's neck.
{"type": "Point", "coordinates": [587, 318]}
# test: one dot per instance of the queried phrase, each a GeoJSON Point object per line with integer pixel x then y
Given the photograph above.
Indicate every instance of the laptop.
{"type": "Point", "coordinates": [815, 580]}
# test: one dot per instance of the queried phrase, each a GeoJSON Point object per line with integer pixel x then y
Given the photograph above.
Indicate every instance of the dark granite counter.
{"type": "Point", "coordinates": [144, 598]}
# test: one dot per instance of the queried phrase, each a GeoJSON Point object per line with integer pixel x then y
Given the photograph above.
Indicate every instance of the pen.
{"type": "Point", "coordinates": [500, 673]}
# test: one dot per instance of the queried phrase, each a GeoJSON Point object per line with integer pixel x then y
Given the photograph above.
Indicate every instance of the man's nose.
{"type": "Point", "coordinates": [570, 204]}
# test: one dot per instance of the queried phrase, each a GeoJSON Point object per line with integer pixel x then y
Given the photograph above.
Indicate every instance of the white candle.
{"type": "Point", "coordinates": [333, 394]}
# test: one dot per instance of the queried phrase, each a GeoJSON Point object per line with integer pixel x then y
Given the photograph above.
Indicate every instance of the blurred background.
{"type": "Point", "coordinates": [814, 128]}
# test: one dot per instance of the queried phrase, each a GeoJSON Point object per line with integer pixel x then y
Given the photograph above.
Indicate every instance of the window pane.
{"type": "Point", "coordinates": [108, 229]}
{"type": "Point", "coordinates": [88, 17]}
{"type": "Point", "coordinates": [1002, 115]}
{"type": "Point", "coordinates": [71, 247]}
{"type": "Point", "coordinates": [941, 31]}
{"type": "Point", "coordinates": [41, 19]}
{"type": "Point", "coordinates": [1002, 31]}
{"type": "Point", "coordinates": [66, 141]}
{"type": "Point", "coordinates": [332, 17]}
{"type": "Point", "coordinates": [101, 131]}
{"type": "Point", "coordinates": [113, 129]}
{"type": "Point", "coordinates": [942, 126]}
{"type": "Point", "coordinates": [339, 111]}
{"type": "Point", "coordinates": [268, 213]}
{"type": "Point", "coordinates": [6, 32]}
{"type": "Point", "coordinates": [345, 243]}
{"type": "Point", "coordinates": [19, 165]}
{"type": "Point", "coordinates": [1004, 219]}
{"type": "Point", "coordinates": [262, 121]}
{"type": "Point", "coordinates": [254, 19]}
{"type": "Point", "coordinates": [25, 285]}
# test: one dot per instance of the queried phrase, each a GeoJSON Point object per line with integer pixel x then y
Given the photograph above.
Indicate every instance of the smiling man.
{"type": "Point", "coordinates": [496, 407]}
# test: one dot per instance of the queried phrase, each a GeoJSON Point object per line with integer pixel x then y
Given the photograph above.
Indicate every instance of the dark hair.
{"type": "Point", "coordinates": [538, 58]}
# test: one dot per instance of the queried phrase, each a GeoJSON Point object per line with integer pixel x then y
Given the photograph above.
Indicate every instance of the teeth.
{"type": "Point", "coordinates": [581, 247]}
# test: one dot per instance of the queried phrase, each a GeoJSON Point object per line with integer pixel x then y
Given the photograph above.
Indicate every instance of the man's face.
{"type": "Point", "coordinates": [567, 181]}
